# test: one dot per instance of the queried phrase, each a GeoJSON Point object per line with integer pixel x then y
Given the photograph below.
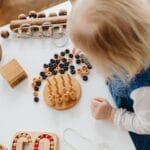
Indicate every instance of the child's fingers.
{"type": "Point", "coordinates": [100, 99]}
{"type": "Point", "coordinates": [95, 103]}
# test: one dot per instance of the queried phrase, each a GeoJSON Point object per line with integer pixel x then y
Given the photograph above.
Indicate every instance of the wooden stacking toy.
{"type": "Point", "coordinates": [62, 92]}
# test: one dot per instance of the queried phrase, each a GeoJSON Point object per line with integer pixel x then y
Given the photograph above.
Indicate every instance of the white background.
{"type": "Point", "coordinates": [19, 112]}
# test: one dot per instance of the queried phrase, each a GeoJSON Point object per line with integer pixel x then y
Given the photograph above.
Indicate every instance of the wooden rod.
{"type": "Point", "coordinates": [38, 21]}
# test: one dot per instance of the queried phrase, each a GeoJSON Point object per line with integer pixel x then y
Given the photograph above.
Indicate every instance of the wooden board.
{"type": "Point", "coordinates": [13, 73]}
{"type": "Point", "coordinates": [62, 92]}
{"type": "Point", "coordinates": [34, 141]}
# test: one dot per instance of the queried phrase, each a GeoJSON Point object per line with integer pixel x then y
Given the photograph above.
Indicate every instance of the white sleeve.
{"type": "Point", "coordinates": [139, 121]}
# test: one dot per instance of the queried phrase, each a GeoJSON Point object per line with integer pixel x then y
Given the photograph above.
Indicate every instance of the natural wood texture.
{"type": "Point", "coordinates": [34, 141]}
{"type": "Point", "coordinates": [62, 92]}
{"type": "Point", "coordinates": [0, 53]}
{"type": "Point", "coordinates": [10, 9]}
{"type": "Point", "coordinates": [3, 148]}
{"type": "Point", "coordinates": [38, 21]}
{"type": "Point", "coordinates": [13, 73]}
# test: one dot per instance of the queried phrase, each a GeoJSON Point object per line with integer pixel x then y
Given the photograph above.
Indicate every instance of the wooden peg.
{"type": "Point", "coordinates": [22, 16]}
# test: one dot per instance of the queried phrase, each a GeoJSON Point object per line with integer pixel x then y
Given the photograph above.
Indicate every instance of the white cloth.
{"type": "Point", "coordinates": [139, 121]}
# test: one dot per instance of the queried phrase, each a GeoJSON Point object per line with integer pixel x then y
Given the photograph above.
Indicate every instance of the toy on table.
{"type": "Point", "coordinates": [13, 73]}
{"type": "Point", "coordinates": [35, 141]}
{"type": "Point", "coordinates": [4, 34]}
{"type": "Point", "coordinates": [61, 64]}
{"type": "Point", "coordinates": [62, 92]}
{"type": "Point", "coordinates": [3, 148]}
{"type": "Point", "coordinates": [0, 53]}
{"type": "Point", "coordinates": [38, 24]}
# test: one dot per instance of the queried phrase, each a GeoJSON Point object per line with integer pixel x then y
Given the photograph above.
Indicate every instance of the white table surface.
{"type": "Point", "coordinates": [19, 112]}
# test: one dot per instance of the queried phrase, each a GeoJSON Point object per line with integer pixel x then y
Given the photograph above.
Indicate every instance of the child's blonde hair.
{"type": "Point", "coordinates": [114, 33]}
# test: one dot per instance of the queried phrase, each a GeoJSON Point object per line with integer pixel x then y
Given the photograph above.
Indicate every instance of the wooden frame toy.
{"type": "Point", "coordinates": [35, 141]}
{"type": "Point", "coordinates": [13, 73]}
{"type": "Point", "coordinates": [38, 24]}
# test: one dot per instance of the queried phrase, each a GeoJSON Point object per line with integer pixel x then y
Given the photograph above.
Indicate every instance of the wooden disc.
{"type": "Point", "coordinates": [62, 92]}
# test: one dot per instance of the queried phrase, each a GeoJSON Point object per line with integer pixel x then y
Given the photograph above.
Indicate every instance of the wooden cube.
{"type": "Point", "coordinates": [13, 73]}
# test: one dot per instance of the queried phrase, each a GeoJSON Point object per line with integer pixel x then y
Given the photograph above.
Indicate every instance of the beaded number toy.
{"type": "Point", "coordinates": [35, 141]}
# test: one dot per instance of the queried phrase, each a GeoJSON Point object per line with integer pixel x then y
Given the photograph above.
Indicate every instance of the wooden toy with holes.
{"type": "Point", "coordinates": [38, 24]}
{"type": "Point", "coordinates": [62, 92]}
{"type": "Point", "coordinates": [34, 141]}
{"type": "Point", "coordinates": [13, 73]}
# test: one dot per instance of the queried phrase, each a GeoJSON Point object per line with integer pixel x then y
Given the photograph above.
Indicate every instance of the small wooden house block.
{"type": "Point", "coordinates": [13, 73]}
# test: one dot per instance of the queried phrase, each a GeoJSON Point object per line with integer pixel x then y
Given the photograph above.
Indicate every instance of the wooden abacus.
{"type": "Point", "coordinates": [34, 141]}
{"type": "Point", "coordinates": [38, 24]}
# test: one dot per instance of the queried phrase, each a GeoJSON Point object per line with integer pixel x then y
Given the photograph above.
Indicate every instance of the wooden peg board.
{"type": "Point", "coordinates": [62, 92]}
{"type": "Point", "coordinates": [13, 73]}
{"type": "Point", "coordinates": [34, 141]}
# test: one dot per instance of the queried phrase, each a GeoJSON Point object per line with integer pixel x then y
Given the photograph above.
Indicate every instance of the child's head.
{"type": "Point", "coordinates": [114, 33]}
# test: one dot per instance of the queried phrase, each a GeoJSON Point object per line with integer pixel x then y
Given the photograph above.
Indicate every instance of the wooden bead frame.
{"type": "Point", "coordinates": [39, 27]}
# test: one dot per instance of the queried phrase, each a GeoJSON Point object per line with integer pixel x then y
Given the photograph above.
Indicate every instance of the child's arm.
{"type": "Point", "coordinates": [138, 122]}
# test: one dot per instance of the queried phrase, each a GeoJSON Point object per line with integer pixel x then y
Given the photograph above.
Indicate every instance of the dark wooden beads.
{"type": "Point", "coordinates": [62, 12]}
{"type": "Point", "coordinates": [60, 64]}
{"type": "Point", "coordinates": [32, 14]}
{"type": "Point", "coordinates": [5, 34]}
{"type": "Point", "coordinates": [41, 15]}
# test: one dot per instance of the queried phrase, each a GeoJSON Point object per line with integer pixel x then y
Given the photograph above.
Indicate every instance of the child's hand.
{"type": "Point", "coordinates": [101, 109]}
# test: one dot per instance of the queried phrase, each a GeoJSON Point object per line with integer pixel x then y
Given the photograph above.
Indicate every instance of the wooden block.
{"type": "Point", "coordinates": [13, 73]}
{"type": "Point", "coordinates": [0, 53]}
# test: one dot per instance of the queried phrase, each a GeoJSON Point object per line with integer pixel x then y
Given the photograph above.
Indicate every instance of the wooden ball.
{"type": "Point", "coordinates": [5, 34]}
{"type": "Point", "coordinates": [22, 16]}
{"type": "Point", "coordinates": [32, 14]}
{"type": "Point", "coordinates": [41, 15]}
{"type": "Point", "coordinates": [52, 15]}
{"type": "Point", "coordinates": [62, 12]}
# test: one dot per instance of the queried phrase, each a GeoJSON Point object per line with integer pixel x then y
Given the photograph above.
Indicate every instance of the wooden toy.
{"type": "Point", "coordinates": [5, 34]}
{"type": "Point", "coordinates": [62, 92]}
{"type": "Point", "coordinates": [29, 26]}
{"type": "Point", "coordinates": [85, 60]}
{"type": "Point", "coordinates": [35, 141]}
{"type": "Point", "coordinates": [3, 148]}
{"type": "Point", "coordinates": [0, 53]}
{"type": "Point", "coordinates": [13, 73]}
